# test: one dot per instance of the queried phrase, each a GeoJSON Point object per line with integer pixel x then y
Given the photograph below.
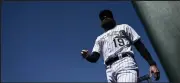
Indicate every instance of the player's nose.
{"type": "Point", "coordinates": [105, 17]}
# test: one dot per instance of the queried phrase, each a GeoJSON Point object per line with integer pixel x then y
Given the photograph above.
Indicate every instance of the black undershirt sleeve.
{"type": "Point", "coordinates": [93, 57]}
{"type": "Point", "coordinates": [144, 52]}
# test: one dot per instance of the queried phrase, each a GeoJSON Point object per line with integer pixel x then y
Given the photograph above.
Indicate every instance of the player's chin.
{"type": "Point", "coordinates": [108, 25]}
{"type": "Point", "coordinates": [107, 21]}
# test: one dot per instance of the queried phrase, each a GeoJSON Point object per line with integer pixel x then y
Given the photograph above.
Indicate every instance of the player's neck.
{"type": "Point", "coordinates": [107, 29]}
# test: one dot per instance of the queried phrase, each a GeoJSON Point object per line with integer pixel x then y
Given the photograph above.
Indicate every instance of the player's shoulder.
{"type": "Point", "coordinates": [98, 38]}
{"type": "Point", "coordinates": [125, 24]}
{"type": "Point", "coordinates": [102, 36]}
{"type": "Point", "coordinates": [122, 25]}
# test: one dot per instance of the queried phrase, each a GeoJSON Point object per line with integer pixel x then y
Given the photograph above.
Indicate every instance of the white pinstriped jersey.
{"type": "Point", "coordinates": [117, 40]}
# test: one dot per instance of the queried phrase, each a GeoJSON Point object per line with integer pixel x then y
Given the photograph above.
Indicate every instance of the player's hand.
{"type": "Point", "coordinates": [84, 53]}
{"type": "Point", "coordinates": [155, 72]}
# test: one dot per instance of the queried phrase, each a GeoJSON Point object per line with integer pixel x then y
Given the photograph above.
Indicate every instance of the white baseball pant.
{"type": "Point", "coordinates": [124, 70]}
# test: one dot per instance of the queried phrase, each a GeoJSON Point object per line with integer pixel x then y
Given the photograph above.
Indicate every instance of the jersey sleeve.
{"type": "Point", "coordinates": [97, 46]}
{"type": "Point", "coordinates": [132, 34]}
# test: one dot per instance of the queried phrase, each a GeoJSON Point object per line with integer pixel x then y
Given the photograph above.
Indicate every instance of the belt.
{"type": "Point", "coordinates": [109, 61]}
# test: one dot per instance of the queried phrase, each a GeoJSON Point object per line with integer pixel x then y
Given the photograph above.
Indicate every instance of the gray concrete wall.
{"type": "Point", "coordinates": [161, 20]}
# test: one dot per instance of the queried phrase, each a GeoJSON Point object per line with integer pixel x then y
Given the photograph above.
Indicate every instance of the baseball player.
{"type": "Point", "coordinates": [115, 44]}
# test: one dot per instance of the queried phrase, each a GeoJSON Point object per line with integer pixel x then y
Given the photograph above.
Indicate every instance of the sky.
{"type": "Point", "coordinates": [42, 41]}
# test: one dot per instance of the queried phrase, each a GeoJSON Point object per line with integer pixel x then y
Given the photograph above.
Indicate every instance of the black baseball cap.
{"type": "Point", "coordinates": [107, 13]}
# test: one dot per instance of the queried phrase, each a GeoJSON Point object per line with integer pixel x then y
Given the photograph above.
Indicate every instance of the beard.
{"type": "Point", "coordinates": [108, 23]}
